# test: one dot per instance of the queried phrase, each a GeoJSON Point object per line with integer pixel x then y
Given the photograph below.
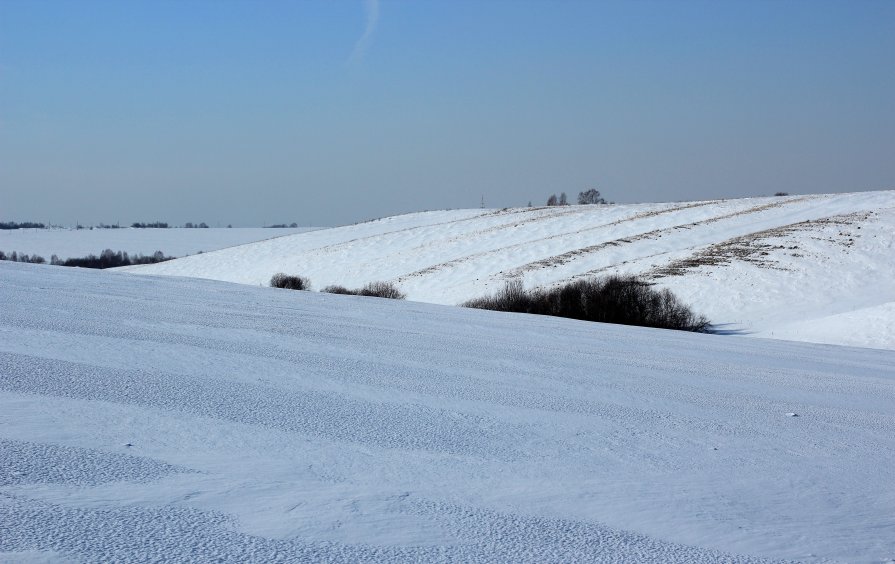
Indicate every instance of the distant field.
{"type": "Point", "coordinates": [816, 267]}
{"type": "Point", "coordinates": [68, 243]}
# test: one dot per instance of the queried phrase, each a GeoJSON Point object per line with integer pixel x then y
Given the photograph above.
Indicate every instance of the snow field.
{"type": "Point", "coordinates": [154, 419]}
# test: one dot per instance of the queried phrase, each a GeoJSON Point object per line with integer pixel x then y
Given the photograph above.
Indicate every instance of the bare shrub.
{"type": "Point", "coordinates": [336, 289]}
{"type": "Point", "coordinates": [373, 289]}
{"type": "Point", "coordinates": [624, 300]}
{"type": "Point", "coordinates": [382, 290]}
{"type": "Point", "coordinates": [280, 280]}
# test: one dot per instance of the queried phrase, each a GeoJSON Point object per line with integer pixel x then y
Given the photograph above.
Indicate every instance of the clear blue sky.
{"type": "Point", "coordinates": [331, 112]}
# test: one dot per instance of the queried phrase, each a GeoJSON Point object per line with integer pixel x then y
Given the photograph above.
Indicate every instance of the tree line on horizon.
{"type": "Point", "coordinates": [586, 197]}
{"type": "Point", "coordinates": [106, 259]}
{"type": "Point", "coordinates": [8, 225]}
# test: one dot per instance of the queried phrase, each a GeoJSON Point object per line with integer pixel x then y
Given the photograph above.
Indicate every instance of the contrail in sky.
{"type": "Point", "coordinates": [360, 48]}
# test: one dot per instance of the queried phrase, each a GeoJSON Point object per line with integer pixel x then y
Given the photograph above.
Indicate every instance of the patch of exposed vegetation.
{"type": "Point", "coordinates": [757, 248]}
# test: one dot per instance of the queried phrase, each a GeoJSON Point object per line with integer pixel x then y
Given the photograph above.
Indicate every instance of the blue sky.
{"type": "Point", "coordinates": [332, 112]}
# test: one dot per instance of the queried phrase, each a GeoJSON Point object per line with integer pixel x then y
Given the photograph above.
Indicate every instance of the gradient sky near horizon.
{"type": "Point", "coordinates": [327, 113]}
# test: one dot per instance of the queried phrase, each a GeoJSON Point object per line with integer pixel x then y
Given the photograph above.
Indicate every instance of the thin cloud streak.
{"type": "Point", "coordinates": [371, 7]}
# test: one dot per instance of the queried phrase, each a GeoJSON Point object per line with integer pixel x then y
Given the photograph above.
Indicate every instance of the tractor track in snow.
{"type": "Point", "coordinates": [570, 256]}
{"type": "Point", "coordinates": [451, 263]}
{"type": "Point", "coordinates": [752, 246]}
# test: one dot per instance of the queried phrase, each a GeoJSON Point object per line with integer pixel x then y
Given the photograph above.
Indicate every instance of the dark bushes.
{"type": "Point", "coordinates": [625, 300]}
{"type": "Point", "coordinates": [280, 280]}
{"type": "Point", "coordinates": [373, 289]}
{"type": "Point", "coordinates": [336, 289]}
{"type": "Point", "coordinates": [382, 290]}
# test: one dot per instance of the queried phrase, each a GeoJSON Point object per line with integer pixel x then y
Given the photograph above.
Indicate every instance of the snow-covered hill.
{"type": "Point", "coordinates": [165, 419]}
{"type": "Point", "coordinates": [69, 243]}
{"type": "Point", "coordinates": [817, 268]}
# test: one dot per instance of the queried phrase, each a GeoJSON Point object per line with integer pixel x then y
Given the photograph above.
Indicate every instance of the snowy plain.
{"type": "Point", "coordinates": [817, 268]}
{"type": "Point", "coordinates": [173, 419]}
{"type": "Point", "coordinates": [173, 242]}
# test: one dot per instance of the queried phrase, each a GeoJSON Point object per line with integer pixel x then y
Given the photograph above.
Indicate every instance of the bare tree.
{"type": "Point", "coordinates": [552, 201]}
{"type": "Point", "coordinates": [563, 199]}
{"type": "Point", "coordinates": [590, 197]}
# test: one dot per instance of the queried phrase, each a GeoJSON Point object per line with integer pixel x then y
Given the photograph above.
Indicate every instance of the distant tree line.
{"type": "Point", "coordinates": [282, 225]}
{"type": "Point", "coordinates": [106, 259]}
{"type": "Point", "coordinates": [22, 257]}
{"type": "Point", "coordinates": [153, 225]}
{"type": "Point", "coordinates": [587, 197]}
{"type": "Point", "coordinates": [23, 225]}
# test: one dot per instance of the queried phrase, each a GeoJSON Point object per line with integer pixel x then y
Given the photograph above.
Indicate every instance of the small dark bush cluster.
{"type": "Point", "coordinates": [382, 290]}
{"type": "Point", "coordinates": [23, 225]}
{"type": "Point", "coordinates": [280, 280]}
{"type": "Point", "coordinates": [336, 289]}
{"type": "Point", "coordinates": [282, 225]}
{"type": "Point", "coordinates": [373, 289]}
{"type": "Point", "coordinates": [191, 225]}
{"type": "Point", "coordinates": [624, 300]}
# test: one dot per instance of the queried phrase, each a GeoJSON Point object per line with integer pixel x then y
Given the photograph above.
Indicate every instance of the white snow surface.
{"type": "Point", "coordinates": [174, 242]}
{"type": "Point", "coordinates": [817, 268]}
{"type": "Point", "coordinates": [171, 419]}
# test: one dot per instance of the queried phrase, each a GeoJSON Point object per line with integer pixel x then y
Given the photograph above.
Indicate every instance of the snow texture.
{"type": "Point", "coordinates": [815, 268]}
{"type": "Point", "coordinates": [151, 419]}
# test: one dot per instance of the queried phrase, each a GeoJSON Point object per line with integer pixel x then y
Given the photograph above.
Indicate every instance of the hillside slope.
{"type": "Point", "coordinates": [154, 419]}
{"type": "Point", "coordinates": [815, 267]}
